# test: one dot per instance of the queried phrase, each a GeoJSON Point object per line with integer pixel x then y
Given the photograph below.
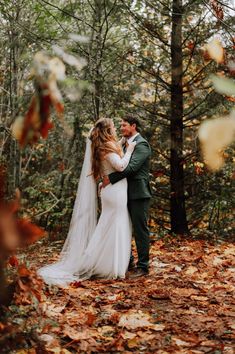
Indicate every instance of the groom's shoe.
{"type": "Point", "coordinates": [131, 266]}
{"type": "Point", "coordinates": [139, 273]}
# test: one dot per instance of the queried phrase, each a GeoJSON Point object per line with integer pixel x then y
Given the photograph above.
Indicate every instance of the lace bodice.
{"type": "Point", "coordinates": [113, 162]}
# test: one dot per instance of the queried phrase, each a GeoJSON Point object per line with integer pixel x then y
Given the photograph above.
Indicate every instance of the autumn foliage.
{"type": "Point", "coordinates": [184, 306]}
{"type": "Point", "coordinates": [37, 121]}
{"type": "Point", "coordinates": [15, 232]}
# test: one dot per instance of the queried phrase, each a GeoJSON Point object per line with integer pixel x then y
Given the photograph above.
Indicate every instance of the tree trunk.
{"type": "Point", "coordinates": [14, 165]}
{"type": "Point", "coordinates": [97, 24]}
{"type": "Point", "coordinates": [177, 199]}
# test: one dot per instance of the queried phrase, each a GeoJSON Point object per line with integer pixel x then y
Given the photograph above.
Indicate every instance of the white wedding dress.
{"type": "Point", "coordinates": [104, 251]}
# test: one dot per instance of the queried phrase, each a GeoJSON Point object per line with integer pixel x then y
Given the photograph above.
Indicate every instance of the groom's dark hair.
{"type": "Point", "coordinates": [131, 119]}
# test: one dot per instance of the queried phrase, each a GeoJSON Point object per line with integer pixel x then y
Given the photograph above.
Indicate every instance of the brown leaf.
{"type": "Point", "coordinates": [77, 335]}
{"type": "Point", "coordinates": [134, 319]}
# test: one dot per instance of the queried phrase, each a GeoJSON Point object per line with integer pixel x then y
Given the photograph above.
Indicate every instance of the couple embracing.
{"type": "Point", "coordinates": [103, 249]}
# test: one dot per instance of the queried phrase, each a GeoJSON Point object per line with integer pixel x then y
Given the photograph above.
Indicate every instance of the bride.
{"type": "Point", "coordinates": [97, 249]}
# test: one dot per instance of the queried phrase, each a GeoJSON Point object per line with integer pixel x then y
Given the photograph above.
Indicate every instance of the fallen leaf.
{"type": "Point", "coordinates": [128, 335]}
{"type": "Point", "coordinates": [199, 298]}
{"type": "Point", "coordinates": [158, 327]}
{"type": "Point", "coordinates": [78, 335]}
{"type": "Point", "coordinates": [191, 270]}
{"type": "Point", "coordinates": [132, 343]}
{"type": "Point", "coordinates": [134, 320]}
{"type": "Point", "coordinates": [181, 343]}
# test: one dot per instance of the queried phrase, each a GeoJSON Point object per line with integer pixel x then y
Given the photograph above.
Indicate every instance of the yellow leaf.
{"type": "Point", "coordinates": [132, 343]}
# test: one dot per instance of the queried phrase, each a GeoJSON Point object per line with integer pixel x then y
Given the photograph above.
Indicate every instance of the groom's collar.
{"type": "Point", "coordinates": [132, 138]}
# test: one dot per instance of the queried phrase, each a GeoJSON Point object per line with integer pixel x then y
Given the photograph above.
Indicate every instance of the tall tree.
{"type": "Point", "coordinates": [172, 70]}
{"type": "Point", "coordinates": [177, 192]}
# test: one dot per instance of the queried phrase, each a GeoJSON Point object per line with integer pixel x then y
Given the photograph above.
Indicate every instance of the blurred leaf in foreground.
{"type": "Point", "coordinates": [215, 135]}
{"type": "Point", "coordinates": [215, 50]}
{"type": "Point", "coordinates": [46, 73]}
{"type": "Point", "coordinates": [223, 85]}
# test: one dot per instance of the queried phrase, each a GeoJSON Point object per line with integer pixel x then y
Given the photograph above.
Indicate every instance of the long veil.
{"type": "Point", "coordinates": [82, 226]}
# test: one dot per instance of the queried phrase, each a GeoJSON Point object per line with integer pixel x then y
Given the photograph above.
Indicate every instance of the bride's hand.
{"type": "Point", "coordinates": [131, 146]}
{"type": "Point", "coordinates": [122, 141]}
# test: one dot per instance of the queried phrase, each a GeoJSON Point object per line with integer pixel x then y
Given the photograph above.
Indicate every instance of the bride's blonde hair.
{"type": "Point", "coordinates": [103, 141]}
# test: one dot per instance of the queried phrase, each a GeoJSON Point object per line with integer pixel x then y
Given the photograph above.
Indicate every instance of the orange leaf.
{"type": "Point", "coordinates": [59, 107]}
{"type": "Point", "coordinates": [45, 128]}
{"type": "Point", "coordinates": [29, 232]}
{"type": "Point", "coordinates": [13, 261]}
{"type": "Point", "coordinates": [231, 99]}
{"type": "Point", "coordinates": [31, 124]}
{"type": "Point", "coordinates": [191, 45]}
{"type": "Point", "coordinates": [23, 271]}
{"type": "Point", "coordinates": [90, 318]}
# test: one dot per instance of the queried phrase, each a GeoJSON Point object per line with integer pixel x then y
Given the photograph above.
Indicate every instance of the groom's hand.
{"type": "Point", "coordinates": [105, 181]}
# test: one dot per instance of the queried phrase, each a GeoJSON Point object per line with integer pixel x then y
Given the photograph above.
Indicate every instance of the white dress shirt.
{"type": "Point", "coordinates": [132, 138]}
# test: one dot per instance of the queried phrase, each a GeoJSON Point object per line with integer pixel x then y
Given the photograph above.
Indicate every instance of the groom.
{"type": "Point", "coordinates": [139, 194]}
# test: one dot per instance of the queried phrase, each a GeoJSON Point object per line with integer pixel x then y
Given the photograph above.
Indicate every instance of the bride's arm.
{"type": "Point", "coordinates": [120, 163]}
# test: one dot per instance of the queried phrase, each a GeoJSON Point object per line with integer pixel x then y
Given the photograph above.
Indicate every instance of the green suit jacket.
{"type": "Point", "coordinates": [137, 172]}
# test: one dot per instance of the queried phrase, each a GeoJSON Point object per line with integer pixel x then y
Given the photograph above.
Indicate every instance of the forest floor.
{"type": "Point", "coordinates": [185, 305]}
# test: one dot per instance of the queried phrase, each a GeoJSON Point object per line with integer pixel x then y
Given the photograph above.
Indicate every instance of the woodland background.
{"type": "Point", "coordinates": [142, 57]}
{"type": "Point", "coordinates": [63, 65]}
